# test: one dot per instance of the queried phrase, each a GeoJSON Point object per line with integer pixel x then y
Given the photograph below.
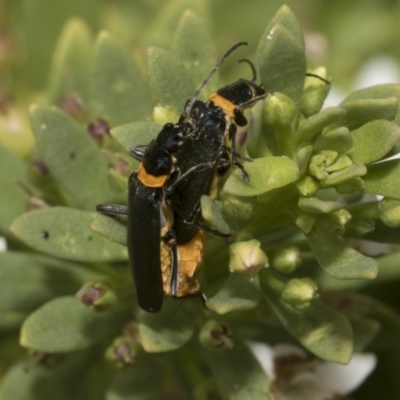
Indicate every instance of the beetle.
{"type": "Point", "coordinates": [152, 248]}
{"type": "Point", "coordinates": [149, 220]}
{"type": "Point", "coordinates": [215, 123]}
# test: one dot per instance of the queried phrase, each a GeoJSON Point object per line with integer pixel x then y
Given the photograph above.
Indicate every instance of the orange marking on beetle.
{"type": "Point", "coordinates": [151, 180]}
{"type": "Point", "coordinates": [227, 106]}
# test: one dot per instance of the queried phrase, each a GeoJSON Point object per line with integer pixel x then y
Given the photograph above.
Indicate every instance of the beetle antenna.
{"type": "Point", "coordinates": [190, 103]}
{"type": "Point", "coordinates": [318, 77]}
{"type": "Point", "coordinates": [252, 66]}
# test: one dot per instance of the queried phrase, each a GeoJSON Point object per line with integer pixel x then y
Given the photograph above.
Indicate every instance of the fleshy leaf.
{"type": "Point", "coordinates": [365, 331]}
{"type": "Point", "coordinates": [266, 173]}
{"type": "Point", "coordinates": [194, 46]}
{"type": "Point", "coordinates": [316, 205]}
{"type": "Point", "coordinates": [388, 318]}
{"type": "Point", "coordinates": [213, 215]}
{"type": "Point", "coordinates": [286, 18]}
{"type": "Point", "coordinates": [41, 382]}
{"type": "Point", "coordinates": [110, 228]}
{"type": "Point", "coordinates": [170, 83]}
{"type": "Point", "coordinates": [238, 373]}
{"type": "Point", "coordinates": [339, 140]}
{"type": "Point", "coordinates": [13, 200]}
{"type": "Point", "coordinates": [118, 91]}
{"type": "Point", "coordinates": [377, 92]}
{"type": "Point", "coordinates": [72, 157]}
{"type": "Point", "coordinates": [383, 179]}
{"type": "Point", "coordinates": [135, 134]}
{"type": "Point", "coordinates": [169, 329]}
{"type": "Point", "coordinates": [281, 61]}
{"type": "Point", "coordinates": [65, 233]}
{"type": "Point", "coordinates": [71, 62]}
{"type": "Point", "coordinates": [345, 174]}
{"type": "Point", "coordinates": [337, 258]}
{"type": "Point", "coordinates": [238, 293]}
{"type": "Point", "coordinates": [318, 122]}
{"type": "Point", "coordinates": [66, 324]}
{"type": "Point", "coordinates": [365, 139]}
{"type": "Point", "coordinates": [359, 112]}
{"type": "Point", "coordinates": [319, 328]}
{"type": "Point", "coordinates": [142, 381]}
{"type": "Point", "coordinates": [39, 279]}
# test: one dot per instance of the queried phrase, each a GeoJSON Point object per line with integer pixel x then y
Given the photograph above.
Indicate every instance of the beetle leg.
{"type": "Point", "coordinates": [232, 133]}
{"type": "Point", "coordinates": [113, 211]}
{"type": "Point", "coordinates": [137, 152]}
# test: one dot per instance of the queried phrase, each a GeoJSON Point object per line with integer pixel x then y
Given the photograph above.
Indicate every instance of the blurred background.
{"type": "Point", "coordinates": [358, 42]}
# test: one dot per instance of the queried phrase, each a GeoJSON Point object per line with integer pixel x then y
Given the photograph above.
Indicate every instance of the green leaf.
{"type": "Point", "coordinates": [238, 373]}
{"type": "Point", "coordinates": [66, 324]}
{"type": "Point", "coordinates": [266, 173]}
{"type": "Point", "coordinates": [319, 328]}
{"type": "Point", "coordinates": [359, 112]}
{"type": "Point", "coordinates": [170, 83]}
{"type": "Point", "coordinates": [164, 24]}
{"type": "Point", "coordinates": [212, 214]}
{"type": "Point", "coordinates": [194, 46]}
{"type": "Point", "coordinates": [345, 174]}
{"type": "Point", "coordinates": [238, 293]}
{"type": "Point", "coordinates": [65, 233]}
{"type": "Point", "coordinates": [373, 141]}
{"type": "Point", "coordinates": [118, 91]}
{"type": "Point", "coordinates": [13, 200]}
{"type": "Point", "coordinates": [339, 140]}
{"type": "Point", "coordinates": [286, 18]}
{"type": "Point", "coordinates": [317, 206]}
{"type": "Point", "coordinates": [335, 257]}
{"type": "Point", "coordinates": [71, 62]}
{"type": "Point", "coordinates": [72, 156]}
{"type": "Point", "coordinates": [142, 381]}
{"type": "Point", "coordinates": [371, 308]}
{"type": "Point", "coordinates": [318, 122]}
{"type": "Point", "coordinates": [38, 279]}
{"type": "Point", "coordinates": [365, 331]}
{"type": "Point", "coordinates": [135, 134]}
{"type": "Point", "coordinates": [383, 179]}
{"type": "Point", "coordinates": [40, 382]}
{"type": "Point", "coordinates": [169, 329]}
{"type": "Point", "coordinates": [377, 92]}
{"type": "Point", "coordinates": [280, 56]}
{"type": "Point", "coordinates": [110, 228]}
{"type": "Point", "coordinates": [40, 27]}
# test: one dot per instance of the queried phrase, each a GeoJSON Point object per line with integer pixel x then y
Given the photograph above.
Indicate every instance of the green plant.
{"type": "Point", "coordinates": [302, 209]}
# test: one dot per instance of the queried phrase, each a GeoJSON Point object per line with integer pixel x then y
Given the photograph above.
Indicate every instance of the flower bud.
{"type": "Point", "coordinates": [122, 352]}
{"type": "Point", "coordinates": [97, 295]}
{"type": "Point", "coordinates": [390, 212]}
{"type": "Point", "coordinates": [287, 260]}
{"type": "Point", "coordinates": [98, 129]}
{"type": "Point", "coordinates": [307, 186]}
{"type": "Point", "coordinates": [279, 110]}
{"type": "Point", "coordinates": [215, 336]}
{"type": "Point", "coordinates": [300, 292]}
{"type": "Point", "coordinates": [247, 257]}
{"type": "Point", "coordinates": [320, 162]}
{"type": "Point", "coordinates": [163, 115]}
{"type": "Point", "coordinates": [340, 219]}
{"type": "Point", "coordinates": [305, 222]}
{"type": "Point", "coordinates": [314, 92]}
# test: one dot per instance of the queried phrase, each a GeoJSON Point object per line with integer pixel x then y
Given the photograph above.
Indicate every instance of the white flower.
{"type": "Point", "coordinates": [294, 377]}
